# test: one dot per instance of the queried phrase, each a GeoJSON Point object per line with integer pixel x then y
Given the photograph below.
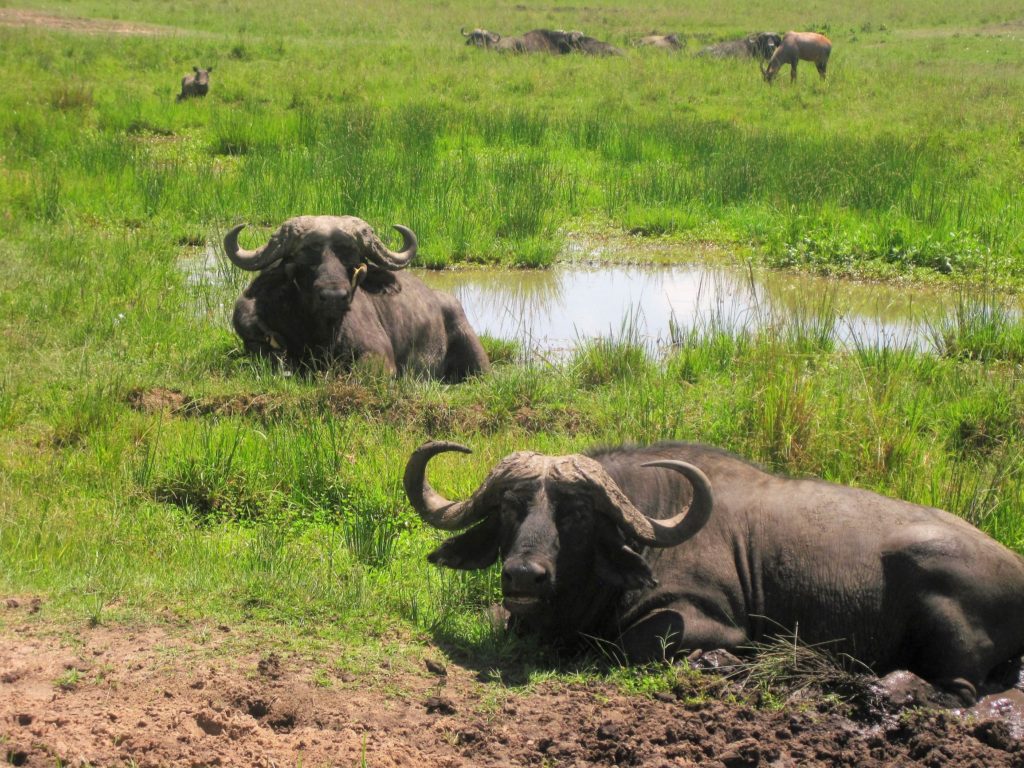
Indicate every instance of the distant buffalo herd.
{"type": "Point", "coordinates": [777, 50]}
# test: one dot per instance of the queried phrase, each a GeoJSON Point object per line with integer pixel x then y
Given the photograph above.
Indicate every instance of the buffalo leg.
{"type": "Point", "coordinates": [657, 637]}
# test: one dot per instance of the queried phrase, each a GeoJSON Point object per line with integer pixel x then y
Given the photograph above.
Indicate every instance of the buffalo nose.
{"type": "Point", "coordinates": [523, 576]}
{"type": "Point", "coordinates": [331, 297]}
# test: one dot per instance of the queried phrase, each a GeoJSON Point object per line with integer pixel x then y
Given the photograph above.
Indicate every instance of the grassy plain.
{"type": "Point", "coordinates": [148, 469]}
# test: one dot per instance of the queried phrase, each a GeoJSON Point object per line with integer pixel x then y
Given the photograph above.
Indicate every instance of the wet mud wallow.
{"type": "Point", "coordinates": [187, 695]}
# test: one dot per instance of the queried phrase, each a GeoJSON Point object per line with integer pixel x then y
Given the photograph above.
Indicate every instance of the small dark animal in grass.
{"type": "Point", "coordinates": [330, 291]}
{"type": "Point", "coordinates": [196, 84]}
{"type": "Point", "coordinates": [664, 42]}
{"type": "Point", "coordinates": [808, 46]}
{"type": "Point", "coordinates": [758, 45]}
{"type": "Point", "coordinates": [679, 546]}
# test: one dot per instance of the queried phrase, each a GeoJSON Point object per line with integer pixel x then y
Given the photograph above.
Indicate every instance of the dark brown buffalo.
{"type": "Point", "coordinates": [330, 291]}
{"type": "Point", "coordinates": [680, 546]}
{"type": "Point", "coordinates": [556, 41]}
{"type": "Point", "coordinates": [757, 45]}
{"type": "Point", "coordinates": [196, 84]}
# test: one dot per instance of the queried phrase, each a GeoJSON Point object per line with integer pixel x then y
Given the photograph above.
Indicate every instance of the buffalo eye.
{"type": "Point", "coordinates": [513, 506]}
{"type": "Point", "coordinates": [573, 510]}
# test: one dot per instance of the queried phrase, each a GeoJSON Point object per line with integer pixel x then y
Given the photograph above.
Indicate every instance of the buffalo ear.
{"type": "Point", "coordinates": [380, 281]}
{"type": "Point", "coordinates": [469, 551]}
{"type": "Point", "coordinates": [620, 566]}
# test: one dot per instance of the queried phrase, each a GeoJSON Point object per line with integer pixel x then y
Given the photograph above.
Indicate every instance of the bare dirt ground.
{"type": "Point", "coordinates": [21, 17]}
{"type": "Point", "coordinates": [157, 696]}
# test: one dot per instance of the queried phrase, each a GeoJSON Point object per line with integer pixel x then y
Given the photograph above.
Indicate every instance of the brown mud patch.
{"type": "Point", "coordinates": [346, 398]}
{"type": "Point", "coordinates": [176, 402]}
{"type": "Point", "coordinates": [21, 17]}
{"type": "Point", "coordinates": [157, 696]}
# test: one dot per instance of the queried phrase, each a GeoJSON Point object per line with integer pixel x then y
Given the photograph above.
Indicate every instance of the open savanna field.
{"type": "Point", "coordinates": [183, 522]}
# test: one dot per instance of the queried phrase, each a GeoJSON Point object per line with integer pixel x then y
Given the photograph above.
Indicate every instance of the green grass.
{"type": "Point", "coordinates": [491, 158]}
{"type": "Point", "coordinates": [276, 500]}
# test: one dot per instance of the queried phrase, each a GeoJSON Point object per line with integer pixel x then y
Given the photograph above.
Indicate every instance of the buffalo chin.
{"type": "Point", "coordinates": [524, 605]}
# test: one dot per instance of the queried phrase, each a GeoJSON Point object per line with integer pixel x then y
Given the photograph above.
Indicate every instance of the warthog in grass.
{"type": "Point", "coordinates": [196, 84]}
{"type": "Point", "coordinates": [809, 46]}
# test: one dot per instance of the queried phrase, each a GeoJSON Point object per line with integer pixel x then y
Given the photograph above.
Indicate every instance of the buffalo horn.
{"type": "Point", "coordinates": [658, 533]}
{"type": "Point", "coordinates": [380, 256]}
{"type": "Point", "coordinates": [434, 508]}
{"type": "Point", "coordinates": [252, 261]}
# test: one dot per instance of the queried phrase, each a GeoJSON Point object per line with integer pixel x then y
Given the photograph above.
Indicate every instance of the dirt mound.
{"type": "Point", "coordinates": [173, 400]}
{"type": "Point", "coordinates": [21, 17]}
{"type": "Point", "coordinates": [157, 697]}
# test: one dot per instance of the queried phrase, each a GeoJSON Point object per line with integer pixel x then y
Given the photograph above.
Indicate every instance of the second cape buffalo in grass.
{"type": "Point", "coordinates": [680, 546]}
{"type": "Point", "coordinates": [556, 41]}
{"type": "Point", "coordinates": [329, 290]}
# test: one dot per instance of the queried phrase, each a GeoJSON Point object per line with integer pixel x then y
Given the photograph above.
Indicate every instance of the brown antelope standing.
{"type": "Point", "coordinates": [809, 46]}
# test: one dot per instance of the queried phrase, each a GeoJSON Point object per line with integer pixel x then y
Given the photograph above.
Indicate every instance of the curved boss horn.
{"type": "Point", "coordinates": [279, 245]}
{"type": "Point", "coordinates": [434, 508]}
{"type": "Point", "coordinates": [654, 533]}
{"type": "Point", "coordinates": [289, 235]}
{"type": "Point", "coordinates": [439, 512]}
{"type": "Point", "coordinates": [379, 254]}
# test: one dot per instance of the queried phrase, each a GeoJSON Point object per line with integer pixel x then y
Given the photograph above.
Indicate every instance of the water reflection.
{"type": "Point", "coordinates": [554, 309]}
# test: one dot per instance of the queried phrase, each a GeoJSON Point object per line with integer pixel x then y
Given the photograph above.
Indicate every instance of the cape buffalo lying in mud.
{"type": "Point", "coordinates": [809, 46]}
{"type": "Point", "coordinates": [196, 84]}
{"type": "Point", "coordinates": [330, 290]}
{"type": "Point", "coordinates": [680, 546]}
{"type": "Point", "coordinates": [555, 41]}
{"type": "Point", "coordinates": [757, 45]}
{"type": "Point", "coordinates": [665, 42]}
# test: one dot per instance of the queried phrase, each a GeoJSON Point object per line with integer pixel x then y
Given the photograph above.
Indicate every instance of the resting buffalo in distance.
{"type": "Point", "coordinates": [535, 41]}
{"type": "Point", "coordinates": [556, 41]}
{"type": "Point", "coordinates": [481, 38]}
{"type": "Point", "coordinates": [329, 290]}
{"type": "Point", "coordinates": [680, 546]}
{"type": "Point", "coordinates": [664, 42]}
{"type": "Point", "coordinates": [580, 43]}
{"type": "Point", "coordinates": [196, 84]}
{"type": "Point", "coordinates": [757, 45]}
{"type": "Point", "coordinates": [809, 46]}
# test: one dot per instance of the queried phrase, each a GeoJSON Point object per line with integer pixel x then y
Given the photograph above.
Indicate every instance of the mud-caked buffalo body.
{"type": "Point", "coordinates": [664, 42]}
{"type": "Point", "coordinates": [196, 84]}
{"type": "Point", "coordinates": [329, 291]}
{"type": "Point", "coordinates": [680, 546]}
{"type": "Point", "coordinates": [797, 46]}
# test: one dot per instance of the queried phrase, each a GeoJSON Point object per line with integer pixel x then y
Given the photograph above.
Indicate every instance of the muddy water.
{"type": "Point", "coordinates": [555, 309]}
